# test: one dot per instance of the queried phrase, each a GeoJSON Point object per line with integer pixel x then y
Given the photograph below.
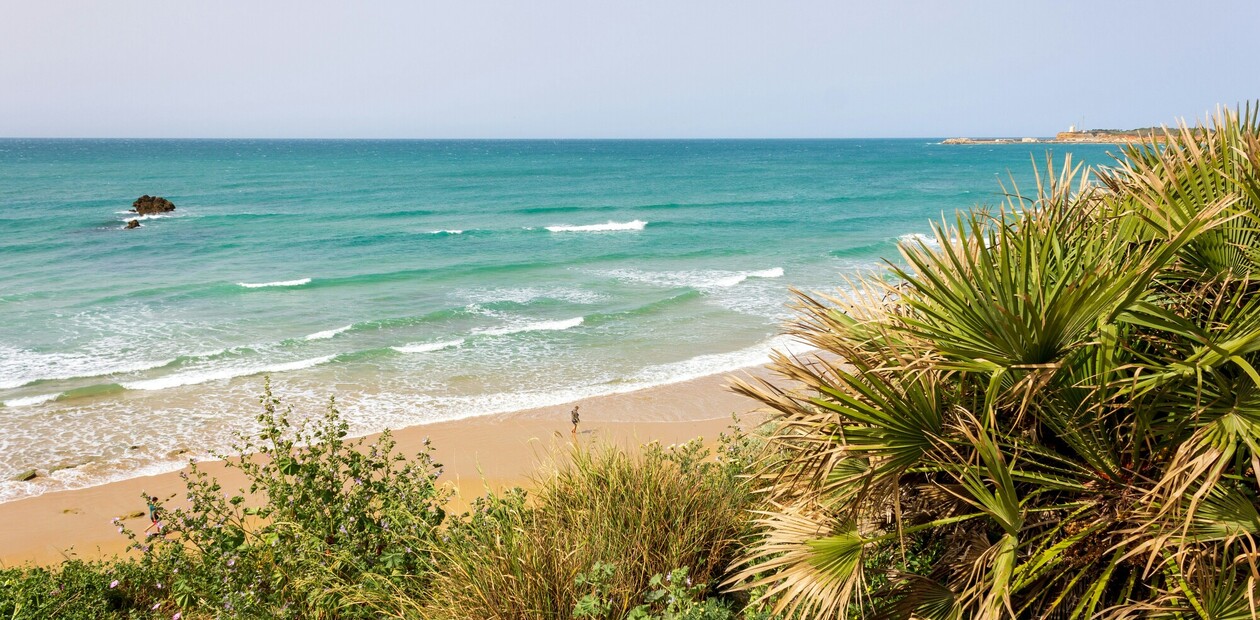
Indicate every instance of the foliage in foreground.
{"type": "Point", "coordinates": [330, 528]}
{"type": "Point", "coordinates": [605, 528]}
{"type": "Point", "coordinates": [1062, 395]}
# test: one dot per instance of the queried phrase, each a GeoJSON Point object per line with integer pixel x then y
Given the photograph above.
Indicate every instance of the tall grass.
{"type": "Point", "coordinates": [330, 528]}
{"type": "Point", "coordinates": [628, 517]}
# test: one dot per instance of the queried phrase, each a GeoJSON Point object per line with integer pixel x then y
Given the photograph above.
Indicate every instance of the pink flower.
{"type": "Point", "coordinates": [177, 615]}
{"type": "Point", "coordinates": [113, 584]}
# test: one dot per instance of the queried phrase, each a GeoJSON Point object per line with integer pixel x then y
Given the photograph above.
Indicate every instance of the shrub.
{"type": "Point", "coordinates": [324, 526]}
{"type": "Point", "coordinates": [600, 528]}
{"type": "Point", "coordinates": [1062, 392]}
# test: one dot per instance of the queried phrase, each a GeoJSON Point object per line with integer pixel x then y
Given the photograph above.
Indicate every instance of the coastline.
{"type": "Point", "coordinates": [491, 452]}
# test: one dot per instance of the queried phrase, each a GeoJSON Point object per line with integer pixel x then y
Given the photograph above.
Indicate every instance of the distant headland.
{"type": "Point", "coordinates": [1074, 135]}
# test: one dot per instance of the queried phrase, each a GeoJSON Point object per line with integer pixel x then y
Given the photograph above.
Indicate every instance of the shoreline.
{"type": "Point", "coordinates": [156, 432]}
{"type": "Point", "coordinates": [481, 453]}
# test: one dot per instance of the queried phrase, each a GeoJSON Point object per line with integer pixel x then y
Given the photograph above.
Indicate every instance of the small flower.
{"type": "Point", "coordinates": [177, 615]}
{"type": "Point", "coordinates": [113, 584]}
{"type": "Point", "coordinates": [156, 605]}
{"type": "Point", "coordinates": [120, 529]}
{"type": "Point", "coordinates": [232, 562]}
{"type": "Point", "coordinates": [159, 585]}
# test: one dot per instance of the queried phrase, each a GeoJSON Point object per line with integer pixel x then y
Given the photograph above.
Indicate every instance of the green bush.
{"type": "Point", "coordinates": [323, 518]}
{"type": "Point", "coordinates": [1058, 402]}
{"type": "Point", "coordinates": [598, 530]}
{"type": "Point", "coordinates": [329, 528]}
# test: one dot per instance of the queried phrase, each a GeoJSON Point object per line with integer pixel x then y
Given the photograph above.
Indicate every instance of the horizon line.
{"type": "Point", "coordinates": [532, 139]}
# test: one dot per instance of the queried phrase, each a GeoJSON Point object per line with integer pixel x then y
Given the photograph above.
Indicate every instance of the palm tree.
{"type": "Point", "coordinates": [1060, 397]}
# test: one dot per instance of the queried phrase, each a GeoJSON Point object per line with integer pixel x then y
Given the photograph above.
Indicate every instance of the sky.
{"type": "Point", "coordinates": [605, 69]}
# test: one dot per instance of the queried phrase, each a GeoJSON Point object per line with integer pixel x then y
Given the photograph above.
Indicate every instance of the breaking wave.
{"type": "Point", "coordinates": [608, 227]}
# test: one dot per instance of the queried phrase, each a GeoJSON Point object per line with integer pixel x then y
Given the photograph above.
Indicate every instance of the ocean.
{"type": "Point", "coordinates": [418, 281]}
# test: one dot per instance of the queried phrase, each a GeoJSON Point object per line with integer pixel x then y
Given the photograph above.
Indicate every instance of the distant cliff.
{"type": "Point", "coordinates": [1110, 136]}
{"type": "Point", "coordinates": [1099, 136]}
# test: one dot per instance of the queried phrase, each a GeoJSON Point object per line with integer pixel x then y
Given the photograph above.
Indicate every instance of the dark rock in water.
{"type": "Point", "coordinates": [174, 453]}
{"type": "Point", "coordinates": [133, 224]}
{"type": "Point", "coordinates": [26, 476]}
{"type": "Point", "coordinates": [147, 204]}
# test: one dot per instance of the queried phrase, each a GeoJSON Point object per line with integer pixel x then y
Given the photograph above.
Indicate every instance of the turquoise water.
{"type": "Point", "coordinates": [417, 280]}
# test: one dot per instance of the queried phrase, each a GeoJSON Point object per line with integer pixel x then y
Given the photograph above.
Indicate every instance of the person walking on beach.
{"type": "Point", "coordinates": [573, 417]}
{"type": "Point", "coordinates": [155, 515]}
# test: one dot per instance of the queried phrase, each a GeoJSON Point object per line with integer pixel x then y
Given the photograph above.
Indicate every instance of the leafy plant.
{"type": "Point", "coordinates": [1060, 393]}
{"type": "Point", "coordinates": [597, 530]}
{"type": "Point", "coordinates": [326, 527]}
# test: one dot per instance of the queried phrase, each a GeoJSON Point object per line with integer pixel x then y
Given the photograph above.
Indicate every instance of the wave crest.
{"type": "Point", "coordinates": [324, 335]}
{"type": "Point", "coordinates": [608, 227]}
{"type": "Point", "coordinates": [914, 239]}
{"type": "Point", "coordinates": [194, 378]}
{"type": "Point", "coordinates": [280, 283]}
{"type": "Point", "coordinates": [428, 346]}
{"type": "Point", "coordinates": [541, 326]}
{"type": "Point", "coordinates": [31, 400]}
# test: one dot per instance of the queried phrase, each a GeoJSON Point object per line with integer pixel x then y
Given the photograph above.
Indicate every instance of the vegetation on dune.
{"type": "Point", "coordinates": [1052, 411]}
{"type": "Point", "coordinates": [600, 530]}
{"type": "Point", "coordinates": [1060, 397]}
{"type": "Point", "coordinates": [331, 528]}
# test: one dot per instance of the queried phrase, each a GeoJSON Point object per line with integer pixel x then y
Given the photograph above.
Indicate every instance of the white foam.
{"type": "Point", "coordinates": [698, 279]}
{"type": "Point", "coordinates": [913, 239]}
{"type": "Point", "coordinates": [324, 335]}
{"type": "Point", "coordinates": [717, 363]}
{"type": "Point", "coordinates": [19, 367]}
{"type": "Point", "coordinates": [608, 227]}
{"type": "Point", "coordinates": [31, 400]}
{"type": "Point", "coordinates": [428, 346]}
{"type": "Point", "coordinates": [280, 283]}
{"type": "Point", "coordinates": [384, 410]}
{"type": "Point", "coordinates": [541, 326]}
{"type": "Point", "coordinates": [210, 418]}
{"type": "Point", "coordinates": [528, 294]}
{"type": "Point", "coordinates": [194, 378]}
{"type": "Point", "coordinates": [132, 215]}
{"type": "Point", "coordinates": [446, 232]}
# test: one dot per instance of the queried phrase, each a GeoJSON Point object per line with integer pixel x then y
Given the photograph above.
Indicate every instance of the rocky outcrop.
{"type": "Point", "coordinates": [147, 205]}
{"type": "Point", "coordinates": [26, 476]}
{"type": "Point", "coordinates": [133, 224]}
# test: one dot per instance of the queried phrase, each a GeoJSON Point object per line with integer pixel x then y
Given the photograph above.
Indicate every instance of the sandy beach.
{"type": "Point", "coordinates": [488, 452]}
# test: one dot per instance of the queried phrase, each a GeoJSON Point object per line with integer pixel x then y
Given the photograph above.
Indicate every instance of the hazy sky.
{"type": "Point", "coordinates": [593, 68]}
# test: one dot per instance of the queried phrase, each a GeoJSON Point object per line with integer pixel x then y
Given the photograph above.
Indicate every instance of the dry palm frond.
{"type": "Point", "coordinates": [1061, 396]}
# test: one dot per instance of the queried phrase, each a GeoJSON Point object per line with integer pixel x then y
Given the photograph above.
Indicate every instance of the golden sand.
{"type": "Point", "coordinates": [488, 452]}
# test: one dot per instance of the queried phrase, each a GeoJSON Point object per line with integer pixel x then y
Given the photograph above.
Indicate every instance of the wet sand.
{"type": "Point", "coordinates": [489, 452]}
